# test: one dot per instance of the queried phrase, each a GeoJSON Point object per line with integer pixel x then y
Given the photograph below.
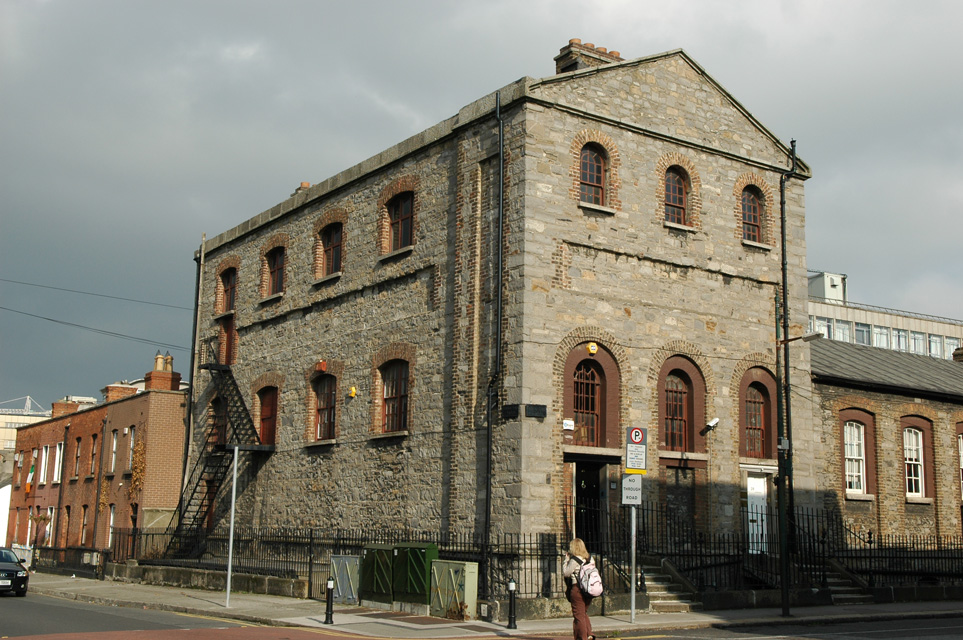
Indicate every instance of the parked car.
{"type": "Point", "coordinates": [13, 575]}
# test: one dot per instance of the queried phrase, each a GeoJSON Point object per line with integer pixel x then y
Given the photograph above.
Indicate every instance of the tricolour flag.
{"type": "Point", "coordinates": [30, 478]}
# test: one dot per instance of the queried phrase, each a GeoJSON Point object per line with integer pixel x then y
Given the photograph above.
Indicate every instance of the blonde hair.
{"type": "Point", "coordinates": [577, 548]}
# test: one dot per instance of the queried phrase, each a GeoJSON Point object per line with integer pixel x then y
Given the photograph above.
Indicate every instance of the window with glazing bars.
{"type": "Point", "coordinates": [394, 378]}
{"type": "Point", "coordinates": [331, 241]}
{"type": "Point", "coordinates": [676, 414]}
{"type": "Point", "coordinates": [855, 453]}
{"type": "Point", "coordinates": [587, 400]}
{"type": "Point", "coordinates": [751, 217]}
{"type": "Point", "coordinates": [675, 197]}
{"type": "Point", "coordinates": [401, 213]}
{"type": "Point", "coordinates": [592, 175]}
{"type": "Point", "coordinates": [959, 448]}
{"type": "Point", "coordinates": [229, 284]}
{"type": "Point", "coordinates": [913, 456]}
{"type": "Point", "coordinates": [755, 423]}
{"type": "Point", "coordinates": [325, 388]}
{"type": "Point", "coordinates": [275, 262]}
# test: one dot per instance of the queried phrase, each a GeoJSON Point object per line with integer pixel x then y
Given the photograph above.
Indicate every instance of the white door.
{"type": "Point", "coordinates": [757, 491]}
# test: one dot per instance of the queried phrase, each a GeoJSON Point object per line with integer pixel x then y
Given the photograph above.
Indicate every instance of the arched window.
{"type": "Point", "coordinates": [756, 391]}
{"type": "Point", "coordinates": [268, 399]}
{"type": "Point", "coordinates": [401, 216]}
{"type": "Point", "coordinates": [681, 396]}
{"type": "Point", "coordinates": [588, 397]}
{"type": "Point", "coordinates": [676, 192]}
{"type": "Point", "coordinates": [275, 269]}
{"type": "Point", "coordinates": [394, 383]}
{"type": "Point", "coordinates": [229, 289]}
{"type": "Point", "coordinates": [331, 244]}
{"type": "Point", "coordinates": [325, 389]}
{"type": "Point", "coordinates": [755, 408]}
{"type": "Point", "coordinates": [751, 215]}
{"type": "Point", "coordinates": [592, 175]}
{"type": "Point", "coordinates": [913, 459]}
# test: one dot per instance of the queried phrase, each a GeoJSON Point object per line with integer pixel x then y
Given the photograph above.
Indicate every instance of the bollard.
{"type": "Point", "coordinates": [511, 604]}
{"type": "Point", "coordinates": [329, 607]}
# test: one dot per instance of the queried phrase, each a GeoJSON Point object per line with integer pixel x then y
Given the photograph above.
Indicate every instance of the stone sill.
{"type": "Point", "coordinates": [678, 227]}
{"type": "Point", "coordinates": [597, 208]}
{"type": "Point", "coordinates": [331, 277]}
{"type": "Point", "coordinates": [861, 497]}
{"type": "Point", "coordinates": [321, 443]}
{"type": "Point", "coordinates": [226, 314]}
{"type": "Point", "coordinates": [74, 479]}
{"type": "Point", "coordinates": [271, 298]}
{"type": "Point", "coordinates": [390, 434]}
{"type": "Point", "coordinates": [912, 500]}
{"type": "Point", "coordinates": [593, 451]}
{"type": "Point", "coordinates": [683, 455]}
{"type": "Point", "coordinates": [397, 253]}
{"type": "Point", "coordinates": [756, 245]}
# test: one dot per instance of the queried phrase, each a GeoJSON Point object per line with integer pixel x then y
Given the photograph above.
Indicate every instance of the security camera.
{"type": "Point", "coordinates": [713, 423]}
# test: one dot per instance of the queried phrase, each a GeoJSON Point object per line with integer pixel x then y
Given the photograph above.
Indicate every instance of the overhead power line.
{"type": "Point", "coordinates": [99, 295]}
{"type": "Point", "coordinates": [104, 332]}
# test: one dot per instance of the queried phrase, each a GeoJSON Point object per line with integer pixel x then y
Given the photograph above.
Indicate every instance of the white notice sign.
{"type": "Point", "coordinates": [631, 489]}
{"type": "Point", "coordinates": [636, 444]}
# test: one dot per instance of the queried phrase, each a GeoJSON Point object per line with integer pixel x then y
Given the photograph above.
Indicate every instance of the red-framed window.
{"type": "Point", "coordinates": [402, 217]}
{"type": "Point", "coordinates": [756, 414]}
{"type": "Point", "coordinates": [675, 197]}
{"type": "Point", "coordinates": [229, 285]}
{"type": "Point", "coordinates": [588, 396]}
{"type": "Point", "coordinates": [394, 379]}
{"type": "Point", "coordinates": [751, 216]}
{"type": "Point", "coordinates": [331, 242]}
{"type": "Point", "coordinates": [592, 175]}
{"type": "Point", "coordinates": [268, 397]}
{"type": "Point", "coordinates": [677, 418]}
{"type": "Point", "coordinates": [325, 389]}
{"type": "Point", "coordinates": [275, 264]}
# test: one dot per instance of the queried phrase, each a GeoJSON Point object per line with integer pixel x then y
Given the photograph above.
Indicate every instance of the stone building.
{"type": "Point", "coordinates": [456, 333]}
{"type": "Point", "coordinates": [93, 468]}
{"type": "Point", "coordinates": [891, 437]}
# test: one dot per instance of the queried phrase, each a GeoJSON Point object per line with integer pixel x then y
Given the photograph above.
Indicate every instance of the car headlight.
{"type": "Point", "coordinates": [21, 574]}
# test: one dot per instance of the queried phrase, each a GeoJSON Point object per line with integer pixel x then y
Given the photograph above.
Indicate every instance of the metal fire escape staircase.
{"type": "Point", "coordinates": [214, 461]}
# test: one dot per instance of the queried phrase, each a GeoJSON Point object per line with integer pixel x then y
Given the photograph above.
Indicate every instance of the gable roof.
{"type": "Point", "coordinates": [886, 370]}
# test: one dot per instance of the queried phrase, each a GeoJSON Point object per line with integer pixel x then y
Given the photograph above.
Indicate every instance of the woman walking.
{"type": "Point", "coordinates": [576, 556]}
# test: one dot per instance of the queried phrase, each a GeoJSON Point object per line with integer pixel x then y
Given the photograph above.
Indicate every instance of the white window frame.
{"type": "Point", "coordinates": [864, 329]}
{"type": "Point", "coordinates": [918, 343]}
{"type": "Point", "coordinates": [881, 337]}
{"type": "Point", "coordinates": [901, 339]}
{"type": "Point", "coordinates": [959, 448]}
{"type": "Point", "coordinates": [854, 443]}
{"type": "Point", "coordinates": [130, 454]}
{"type": "Point", "coordinates": [41, 476]}
{"type": "Point", "coordinates": [113, 451]}
{"type": "Point", "coordinates": [913, 462]}
{"type": "Point", "coordinates": [952, 344]}
{"type": "Point", "coordinates": [48, 531]}
{"type": "Point", "coordinates": [936, 345]}
{"type": "Point", "coordinates": [823, 326]}
{"type": "Point", "coordinates": [110, 525]}
{"type": "Point", "coordinates": [58, 458]}
{"type": "Point", "coordinates": [843, 331]}
{"type": "Point", "coordinates": [83, 526]}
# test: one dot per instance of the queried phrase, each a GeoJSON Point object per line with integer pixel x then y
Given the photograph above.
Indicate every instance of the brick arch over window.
{"type": "Point", "coordinates": [757, 413]}
{"type": "Point", "coordinates": [230, 262]}
{"type": "Point", "coordinates": [924, 426]}
{"type": "Point", "coordinates": [866, 423]}
{"type": "Point", "coordinates": [693, 182]}
{"type": "Point", "coordinates": [613, 183]}
{"type": "Point", "coordinates": [270, 379]}
{"type": "Point", "coordinates": [604, 429]}
{"type": "Point", "coordinates": [321, 368]}
{"type": "Point", "coordinates": [408, 183]}
{"type": "Point", "coordinates": [274, 242]}
{"type": "Point", "coordinates": [768, 203]}
{"type": "Point", "coordinates": [394, 351]}
{"type": "Point", "coordinates": [565, 347]}
{"type": "Point", "coordinates": [329, 217]}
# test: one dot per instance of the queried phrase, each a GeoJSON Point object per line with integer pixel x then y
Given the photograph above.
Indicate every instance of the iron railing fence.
{"type": "Point", "coordinates": [75, 561]}
{"type": "Point", "coordinates": [903, 560]}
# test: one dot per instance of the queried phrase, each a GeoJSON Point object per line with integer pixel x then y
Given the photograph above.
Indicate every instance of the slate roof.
{"type": "Point", "coordinates": [885, 370]}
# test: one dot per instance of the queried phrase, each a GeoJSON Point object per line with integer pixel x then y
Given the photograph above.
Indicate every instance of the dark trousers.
{"type": "Point", "coordinates": [581, 625]}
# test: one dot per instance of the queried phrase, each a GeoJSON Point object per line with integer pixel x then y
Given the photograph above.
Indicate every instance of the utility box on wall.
{"type": "Point", "coordinates": [454, 589]}
{"type": "Point", "coordinates": [376, 573]}
{"type": "Point", "coordinates": [346, 571]}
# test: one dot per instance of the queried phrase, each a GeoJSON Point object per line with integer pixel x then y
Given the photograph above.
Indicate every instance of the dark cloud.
{"type": "Point", "coordinates": [129, 129]}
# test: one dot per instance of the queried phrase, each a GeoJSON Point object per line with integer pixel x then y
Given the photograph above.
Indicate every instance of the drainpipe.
{"type": "Point", "coordinates": [787, 405]}
{"type": "Point", "coordinates": [491, 399]}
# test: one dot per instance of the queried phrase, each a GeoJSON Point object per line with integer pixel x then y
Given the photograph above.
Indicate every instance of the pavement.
{"type": "Point", "coordinates": [294, 612]}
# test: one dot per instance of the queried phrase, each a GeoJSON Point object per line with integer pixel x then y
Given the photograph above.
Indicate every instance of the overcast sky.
{"type": "Point", "coordinates": [128, 129]}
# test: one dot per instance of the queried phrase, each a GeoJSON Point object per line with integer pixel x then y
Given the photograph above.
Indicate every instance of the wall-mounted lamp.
{"type": "Point", "coordinates": [712, 424]}
{"type": "Point", "coordinates": [352, 393]}
{"type": "Point", "coordinates": [806, 337]}
{"type": "Point", "coordinates": [592, 348]}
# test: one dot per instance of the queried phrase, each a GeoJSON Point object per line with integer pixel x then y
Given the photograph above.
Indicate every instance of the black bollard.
{"type": "Point", "coordinates": [511, 604]}
{"type": "Point", "coordinates": [329, 607]}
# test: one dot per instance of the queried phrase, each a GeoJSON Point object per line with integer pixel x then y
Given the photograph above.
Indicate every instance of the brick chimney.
{"type": "Point", "coordinates": [163, 377]}
{"type": "Point", "coordinates": [63, 407]}
{"type": "Point", "coordinates": [576, 55]}
{"type": "Point", "coordinates": [958, 355]}
{"type": "Point", "coordinates": [118, 391]}
{"type": "Point", "coordinates": [303, 187]}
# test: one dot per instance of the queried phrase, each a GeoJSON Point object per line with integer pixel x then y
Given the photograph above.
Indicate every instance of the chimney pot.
{"type": "Point", "coordinates": [958, 355]}
{"type": "Point", "coordinates": [575, 41]}
{"type": "Point", "coordinates": [601, 49]}
{"type": "Point", "coordinates": [617, 54]}
{"type": "Point", "coordinates": [589, 45]}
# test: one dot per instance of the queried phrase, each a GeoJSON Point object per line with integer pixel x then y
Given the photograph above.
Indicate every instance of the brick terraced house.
{"type": "Point", "coordinates": [91, 469]}
{"type": "Point", "coordinates": [456, 333]}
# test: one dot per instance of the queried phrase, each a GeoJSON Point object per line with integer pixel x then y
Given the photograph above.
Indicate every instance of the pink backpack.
{"type": "Point", "coordinates": [589, 579]}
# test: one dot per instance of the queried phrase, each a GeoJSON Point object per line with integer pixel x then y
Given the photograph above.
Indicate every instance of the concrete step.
{"type": "Point", "coordinates": [852, 598]}
{"type": "Point", "coordinates": [674, 607]}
